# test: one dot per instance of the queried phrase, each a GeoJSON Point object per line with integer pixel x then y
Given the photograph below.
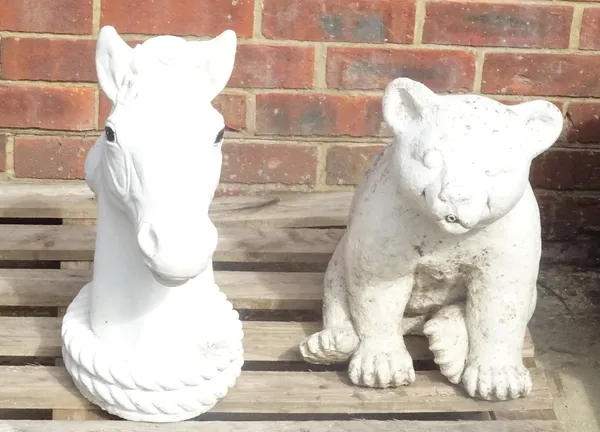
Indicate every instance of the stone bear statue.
{"type": "Point", "coordinates": [443, 240]}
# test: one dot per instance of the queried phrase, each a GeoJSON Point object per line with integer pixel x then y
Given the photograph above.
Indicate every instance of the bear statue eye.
{"type": "Point", "coordinates": [220, 135]}
{"type": "Point", "coordinates": [110, 134]}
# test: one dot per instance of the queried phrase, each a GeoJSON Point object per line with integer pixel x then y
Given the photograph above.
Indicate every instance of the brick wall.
{"type": "Point", "coordinates": [306, 91]}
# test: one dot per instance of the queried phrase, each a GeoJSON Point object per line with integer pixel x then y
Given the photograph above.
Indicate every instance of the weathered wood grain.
{"type": "Point", "coordinates": [74, 200]}
{"type": "Point", "coordinates": [282, 426]}
{"type": "Point", "coordinates": [41, 387]}
{"type": "Point", "coordinates": [247, 290]}
{"type": "Point", "coordinates": [263, 340]}
{"type": "Point", "coordinates": [266, 245]}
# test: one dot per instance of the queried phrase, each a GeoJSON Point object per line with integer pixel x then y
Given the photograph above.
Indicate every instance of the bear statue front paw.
{"type": "Point", "coordinates": [381, 364]}
{"type": "Point", "coordinates": [497, 382]}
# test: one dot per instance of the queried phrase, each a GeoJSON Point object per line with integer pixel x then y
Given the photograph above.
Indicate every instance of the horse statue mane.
{"type": "Point", "coordinates": [151, 337]}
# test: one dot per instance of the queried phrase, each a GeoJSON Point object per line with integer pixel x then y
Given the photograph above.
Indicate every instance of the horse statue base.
{"type": "Point", "coordinates": [171, 392]}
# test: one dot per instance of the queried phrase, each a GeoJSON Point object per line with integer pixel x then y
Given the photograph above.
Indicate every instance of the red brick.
{"type": "Point", "coordinates": [51, 157]}
{"type": "Point", "coordinates": [182, 17]}
{"type": "Point", "coordinates": [47, 59]}
{"type": "Point", "coordinates": [231, 106]}
{"type": "Point", "coordinates": [269, 163]}
{"type": "Point", "coordinates": [497, 24]}
{"type": "Point", "coordinates": [580, 253]}
{"type": "Point", "coordinates": [589, 37]}
{"type": "Point", "coordinates": [546, 207]}
{"type": "Point", "coordinates": [273, 67]}
{"type": "Point", "coordinates": [371, 68]}
{"type": "Point", "coordinates": [47, 107]}
{"type": "Point", "coordinates": [314, 114]}
{"type": "Point", "coordinates": [575, 216]}
{"type": "Point", "coordinates": [569, 216]}
{"type": "Point", "coordinates": [347, 165]}
{"type": "Point", "coordinates": [583, 122]}
{"type": "Point", "coordinates": [103, 110]}
{"type": "Point", "coordinates": [233, 109]}
{"type": "Point", "coordinates": [567, 169]}
{"type": "Point", "coordinates": [541, 74]}
{"type": "Point", "coordinates": [47, 16]}
{"type": "Point", "coordinates": [356, 21]}
{"type": "Point", "coordinates": [3, 140]}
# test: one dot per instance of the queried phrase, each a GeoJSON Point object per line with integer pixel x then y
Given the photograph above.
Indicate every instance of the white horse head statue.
{"type": "Point", "coordinates": [159, 158]}
{"type": "Point", "coordinates": [152, 337]}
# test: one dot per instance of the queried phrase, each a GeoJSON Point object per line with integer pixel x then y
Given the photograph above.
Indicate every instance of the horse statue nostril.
{"type": "Point", "coordinates": [451, 219]}
{"type": "Point", "coordinates": [147, 240]}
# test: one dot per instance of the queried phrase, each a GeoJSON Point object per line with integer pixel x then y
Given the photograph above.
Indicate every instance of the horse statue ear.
{"type": "Point", "coordinates": [215, 59]}
{"type": "Point", "coordinates": [113, 58]}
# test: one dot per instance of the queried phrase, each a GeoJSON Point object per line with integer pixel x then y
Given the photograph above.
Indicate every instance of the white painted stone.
{"type": "Point", "coordinates": [443, 240]}
{"type": "Point", "coordinates": [151, 337]}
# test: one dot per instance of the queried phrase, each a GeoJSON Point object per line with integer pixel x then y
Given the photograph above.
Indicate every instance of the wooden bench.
{"type": "Point", "coordinates": [270, 261]}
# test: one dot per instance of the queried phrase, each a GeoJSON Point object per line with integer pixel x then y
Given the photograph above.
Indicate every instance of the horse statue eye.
{"type": "Point", "coordinates": [219, 137]}
{"type": "Point", "coordinates": [110, 134]}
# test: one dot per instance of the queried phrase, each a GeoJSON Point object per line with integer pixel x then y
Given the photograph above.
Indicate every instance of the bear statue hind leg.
{"type": "Point", "coordinates": [449, 341]}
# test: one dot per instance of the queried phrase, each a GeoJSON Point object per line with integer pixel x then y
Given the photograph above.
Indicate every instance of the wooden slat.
{"type": "Point", "coordinates": [263, 340]}
{"type": "Point", "coordinates": [281, 426]}
{"type": "Point", "coordinates": [40, 387]}
{"type": "Point", "coordinates": [525, 415]}
{"type": "Point", "coordinates": [78, 265]}
{"type": "Point", "coordinates": [74, 200]}
{"type": "Point", "coordinates": [49, 200]}
{"type": "Point", "coordinates": [76, 243]}
{"type": "Point", "coordinates": [283, 210]}
{"type": "Point", "coordinates": [247, 290]}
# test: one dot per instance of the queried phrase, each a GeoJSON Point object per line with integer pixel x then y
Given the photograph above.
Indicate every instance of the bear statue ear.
{"type": "Point", "coordinates": [543, 124]}
{"type": "Point", "coordinates": [405, 101]}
